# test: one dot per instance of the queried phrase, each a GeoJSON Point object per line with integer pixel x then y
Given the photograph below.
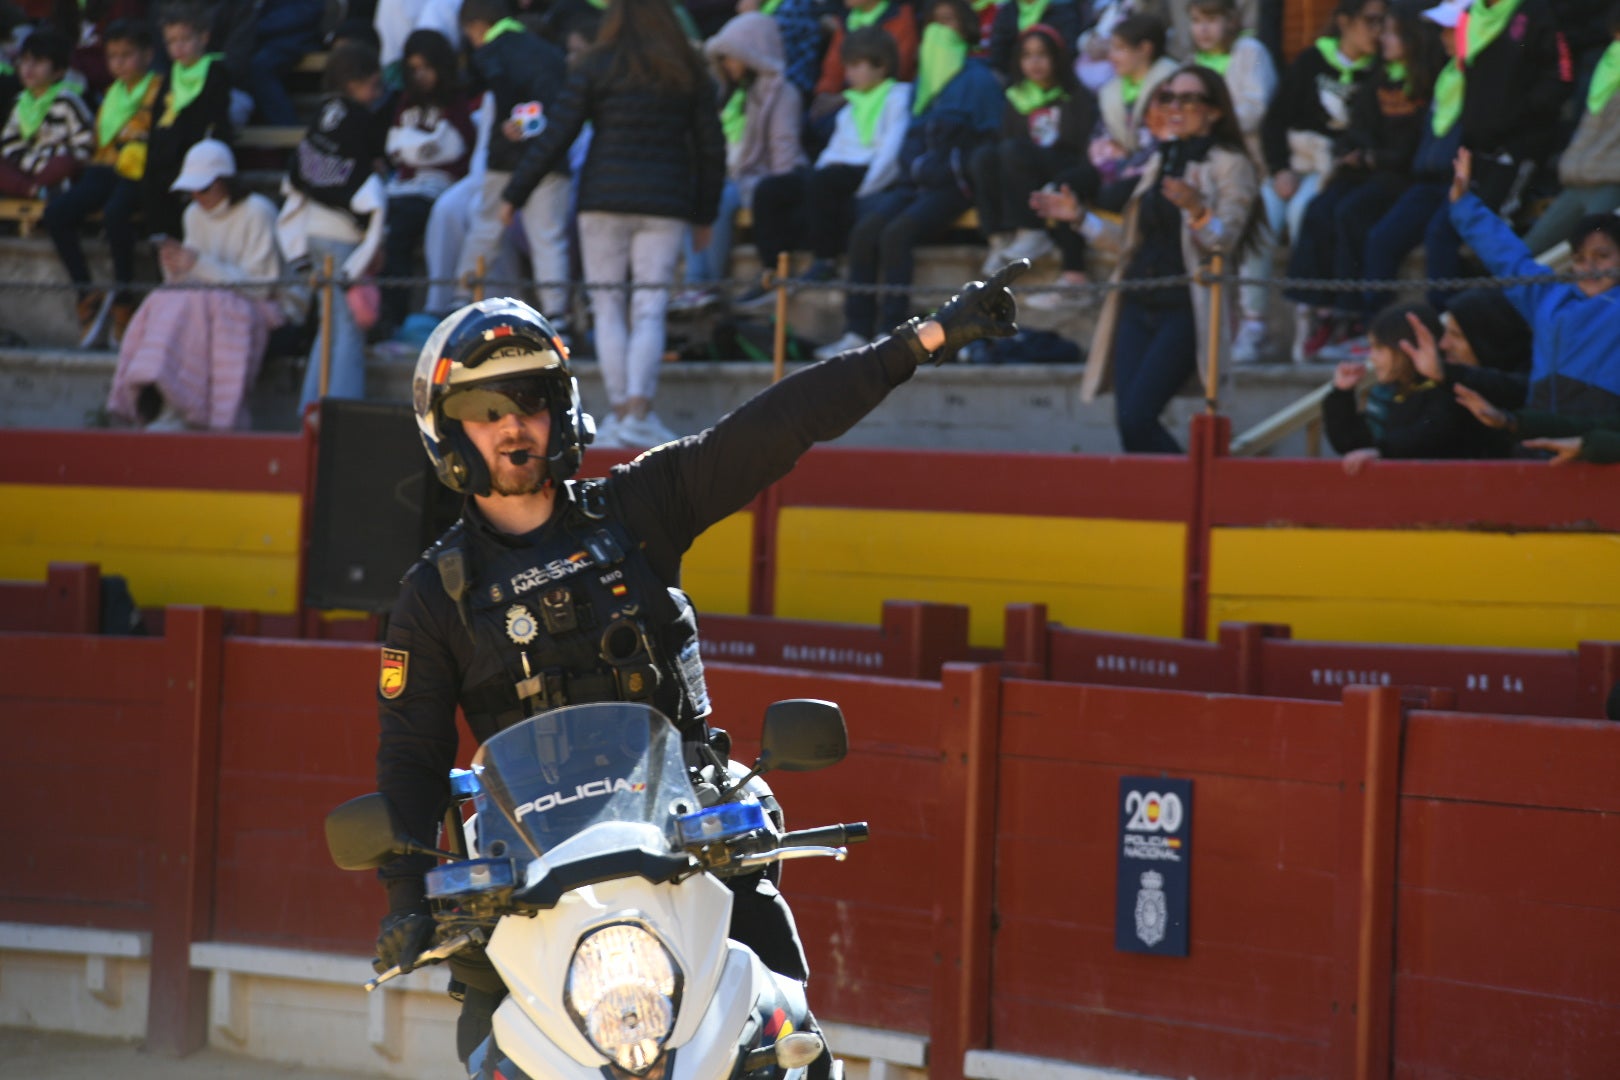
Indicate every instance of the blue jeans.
{"type": "Point", "coordinates": [883, 247]}
{"type": "Point", "coordinates": [347, 378]}
{"type": "Point", "coordinates": [1418, 213]}
{"type": "Point", "coordinates": [712, 263]}
{"type": "Point", "coordinates": [287, 31]}
{"type": "Point", "coordinates": [98, 187]}
{"type": "Point", "coordinates": [1155, 353]}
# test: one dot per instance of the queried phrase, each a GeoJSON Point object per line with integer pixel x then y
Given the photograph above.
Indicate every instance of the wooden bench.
{"type": "Point", "coordinates": [265, 137]}
{"type": "Point", "coordinates": [25, 213]}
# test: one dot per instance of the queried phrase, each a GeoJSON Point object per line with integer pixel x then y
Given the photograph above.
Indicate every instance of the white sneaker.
{"type": "Point", "coordinates": [850, 340]}
{"type": "Point", "coordinates": [1250, 344]}
{"type": "Point", "coordinates": [607, 433]}
{"type": "Point", "coordinates": [644, 432]}
{"type": "Point", "coordinates": [168, 420]}
{"type": "Point", "coordinates": [1031, 244]}
{"type": "Point", "coordinates": [993, 260]}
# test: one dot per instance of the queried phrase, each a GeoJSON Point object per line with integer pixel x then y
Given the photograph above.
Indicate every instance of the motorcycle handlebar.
{"type": "Point", "coordinates": [431, 956]}
{"type": "Point", "coordinates": [854, 832]}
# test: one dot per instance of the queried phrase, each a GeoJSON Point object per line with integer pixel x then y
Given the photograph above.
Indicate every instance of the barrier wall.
{"type": "Point", "coordinates": [182, 790]}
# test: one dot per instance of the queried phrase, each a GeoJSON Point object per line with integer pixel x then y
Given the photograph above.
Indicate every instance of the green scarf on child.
{"type": "Point", "coordinates": [507, 25]}
{"type": "Point", "coordinates": [1448, 99]}
{"type": "Point", "coordinates": [866, 108]}
{"type": "Point", "coordinates": [119, 108]}
{"type": "Point", "coordinates": [1130, 88]}
{"type": "Point", "coordinates": [186, 85]}
{"type": "Point", "coordinates": [1217, 62]}
{"type": "Point", "coordinates": [860, 20]}
{"type": "Point", "coordinates": [1605, 79]}
{"type": "Point", "coordinates": [1347, 68]}
{"type": "Point", "coordinates": [769, 6]}
{"type": "Point", "coordinates": [1026, 96]}
{"type": "Point", "coordinates": [939, 58]}
{"type": "Point", "coordinates": [31, 108]}
{"type": "Point", "coordinates": [1485, 25]}
{"type": "Point", "coordinates": [734, 116]}
{"type": "Point", "coordinates": [1030, 12]}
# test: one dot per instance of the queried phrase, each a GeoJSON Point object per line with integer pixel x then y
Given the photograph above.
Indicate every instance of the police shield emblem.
{"type": "Point", "coordinates": [391, 682]}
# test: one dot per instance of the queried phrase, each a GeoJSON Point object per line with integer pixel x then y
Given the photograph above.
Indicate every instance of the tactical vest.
{"type": "Point", "coordinates": [579, 617]}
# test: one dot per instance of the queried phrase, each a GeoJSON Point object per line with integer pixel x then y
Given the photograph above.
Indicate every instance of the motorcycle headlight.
{"type": "Point", "coordinates": [623, 990]}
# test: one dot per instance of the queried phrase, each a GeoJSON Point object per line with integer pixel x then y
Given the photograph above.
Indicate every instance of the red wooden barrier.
{"type": "Point", "coordinates": [68, 601]}
{"type": "Point", "coordinates": [913, 641]}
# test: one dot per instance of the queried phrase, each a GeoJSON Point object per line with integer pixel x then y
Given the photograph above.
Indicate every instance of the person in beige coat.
{"type": "Point", "coordinates": [1196, 200]}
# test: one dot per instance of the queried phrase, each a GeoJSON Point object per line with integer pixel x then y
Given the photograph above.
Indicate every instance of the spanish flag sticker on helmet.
{"type": "Point", "coordinates": [395, 664]}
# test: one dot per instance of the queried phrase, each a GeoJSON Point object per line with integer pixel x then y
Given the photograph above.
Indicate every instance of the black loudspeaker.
{"type": "Point", "coordinates": [377, 505]}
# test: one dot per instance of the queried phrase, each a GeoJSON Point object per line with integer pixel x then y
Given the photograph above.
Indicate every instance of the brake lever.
{"type": "Point", "coordinates": [474, 936]}
{"type": "Point", "coordinates": [765, 858]}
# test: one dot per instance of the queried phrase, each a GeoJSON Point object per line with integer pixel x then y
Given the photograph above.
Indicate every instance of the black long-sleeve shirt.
{"type": "Point", "coordinates": [1424, 422]}
{"type": "Point", "coordinates": [664, 499]}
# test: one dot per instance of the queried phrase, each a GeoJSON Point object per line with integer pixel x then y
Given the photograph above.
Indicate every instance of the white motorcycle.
{"type": "Point", "coordinates": [594, 884]}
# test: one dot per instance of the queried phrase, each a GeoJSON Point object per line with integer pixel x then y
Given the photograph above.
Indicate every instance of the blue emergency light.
{"type": "Point", "coordinates": [471, 876]}
{"type": "Point", "coordinates": [720, 823]}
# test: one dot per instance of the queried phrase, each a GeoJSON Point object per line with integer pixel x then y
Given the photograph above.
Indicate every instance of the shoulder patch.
{"type": "Point", "coordinates": [396, 665]}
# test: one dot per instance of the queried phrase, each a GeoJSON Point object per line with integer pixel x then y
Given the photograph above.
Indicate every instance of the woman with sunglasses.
{"type": "Point", "coordinates": [1196, 199]}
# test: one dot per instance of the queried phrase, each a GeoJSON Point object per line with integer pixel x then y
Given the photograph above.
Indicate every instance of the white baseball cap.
{"type": "Point", "coordinates": [1447, 13]}
{"type": "Point", "coordinates": [206, 161]}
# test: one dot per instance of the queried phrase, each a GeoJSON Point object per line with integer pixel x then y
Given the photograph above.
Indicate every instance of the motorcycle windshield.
{"type": "Point", "coordinates": [561, 772]}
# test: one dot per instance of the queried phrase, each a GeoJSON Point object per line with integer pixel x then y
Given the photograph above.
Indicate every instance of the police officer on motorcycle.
{"type": "Point", "coordinates": [550, 591]}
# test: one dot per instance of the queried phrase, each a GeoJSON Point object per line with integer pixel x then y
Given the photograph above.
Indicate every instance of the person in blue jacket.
{"type": "Point", "coordinates": [956, 108]}
{"type": "Point", "coordinates": [1575, 361]}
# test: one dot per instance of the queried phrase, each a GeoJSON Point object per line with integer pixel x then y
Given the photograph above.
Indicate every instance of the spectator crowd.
{"type": "Point", "coordinates": [620, 142]}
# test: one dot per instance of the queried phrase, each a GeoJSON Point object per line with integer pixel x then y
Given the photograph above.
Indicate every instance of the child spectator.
{"type": "Point", "coordinates": [1373, 162]}
{"type": "Point", "coordinates": [111, 183]}
{"type": "Point", "coordinates": [1093, 65]}
{"type": "Point", "coordinates": [1196, 199]}
{"type": "Point", "coordinates": [1014, 17]}
{"type": "Point", "coordinates": [1575, 369]}
{"type": "Point", "coordinates": [816, 207]}
{"type": "Point", "coordinates": [429, 145]}
{"type": "Point", "coordinates": [955, 109]}
{"type": "Point", "coordinates": [196, 104]}
{"type": "Point", "coordinates": [1046, 122]}
{"type": "Point", "coordinates": [336, 205]}
{"type": "Point", "coordinates": [1218, 43]}
{"type": "Point", "coordinates": [396, 20]}
{"type": "Point", "coordinates": [1589, 167]}
{"type": "Point", "coordinates": [760, 119]}
{"type": "Point", "coordinates": [1310, 111]}
{"type": "Point", "coordinates": [50, 134]}
{"type": "Point", "coordinates": [524, 72]}
{"type": "Point", "coordinates": [799, 23]}
{"type": "Point", "coordinates": [191, 355]}
{"type": "Point", "coordinates": [276, 37]}
{"type": "Point", "coordinates": [1416, 417]}
{"type": "Point", "coordinates": [656, 164]}
{"type": "Point", "coordinates": [894, 16]}
{"type": "Point", "coordinates": [452, 217]}
{"type": "Point", "coordinates": [1182, 43]}
{"type": "Point", "coordinates": [1122, 142]}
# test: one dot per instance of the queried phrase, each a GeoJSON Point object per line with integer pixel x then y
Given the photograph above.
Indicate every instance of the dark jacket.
{"type": "Point", "coordinates": [1064, 16]}
{"type": "Point", "coordinates": [518, 68]}
{"type": "Point", "coordinates": [652, 152]}
{"type": "Point", "coordinates": [1386, 125]}
{"type": "Point", "coordinates": [1517, 86]}
{"type": "Point", "coordinates": [1075, 119]}
{"type": "Point", "coordinates": [962, 117]}
{"type": "Point", "coordinates": [1425, 422]}
{"type": "Point", "coordinates": [1298, 105]}
{"type": "Point", "coordinates": [208, 116]}
{"type": "Point", "coordinates": [664, 500]}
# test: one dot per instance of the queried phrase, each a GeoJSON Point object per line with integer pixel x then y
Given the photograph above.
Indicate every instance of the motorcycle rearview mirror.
{"type": "Point", "coordinates": [802, 735]}
{"type": "Point", "coordinates": [361, 835]}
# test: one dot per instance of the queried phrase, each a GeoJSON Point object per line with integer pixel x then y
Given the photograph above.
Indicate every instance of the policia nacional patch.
{"type": "Point", "coordinates": [395, 664]}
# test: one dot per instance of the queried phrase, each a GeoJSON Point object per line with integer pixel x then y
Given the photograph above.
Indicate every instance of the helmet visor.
{"type": "Point", "coordinates": [488, 402]}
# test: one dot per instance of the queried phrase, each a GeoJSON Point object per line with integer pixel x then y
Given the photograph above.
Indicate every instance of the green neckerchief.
{"type": "Point", "coordinates": [1485, 25]}
{"type": "Point", "coordinates": [1130, 88]}
{"type": "Point", "coordinates": [1605, 79]}
{"type": "Point", "coordinates": [1217, 62]}
{"type": "Point", "coordinates": [1448, 99]}
{"type": "Point", "coordinates": [770, 6]}
{"type": "Point", "coordinates": [1396, 73]}
{"type": "Point", "coordinates": [119, 108]}
{"type": "Point", "coordinates": [507, 25]}
{"type": "Point", "coordinates": [939, 58]}
{"type": "Point", "coordinates": [185, 84]}
{"type": "Point", "coordinates": [734, 116]}
{"type": "Point", "coordinates": [1347, 68]}
{"type": "Point", "coordinates": [979, 6]}
{"type": "Point", "coordinates": [31, 108]}
{"type": "Point", "coordinates": [599, 5]}
{"type": "Point", "coordinates": [1026, 96]}
{"type": "Point", "coordinates": [5, 68]}
{"type": "Point", "coordinates": [1030, 12]}
{"type": "Point", "coordinates": [866, 108]}
{"type": "Point", "coordinates": [860, 20]}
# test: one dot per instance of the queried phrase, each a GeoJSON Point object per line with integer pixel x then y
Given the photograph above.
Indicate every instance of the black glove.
{"type": "Point", "coordinates": [401, 940]}
{"type": "Point", "coordinates": [983, 309]}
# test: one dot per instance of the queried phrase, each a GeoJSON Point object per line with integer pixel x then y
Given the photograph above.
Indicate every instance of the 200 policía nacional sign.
{"type": "Point", "coordinates": [1155, 849]}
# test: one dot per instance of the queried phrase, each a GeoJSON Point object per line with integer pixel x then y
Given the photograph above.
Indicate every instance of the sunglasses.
{"type": "Point", "coordinates": [1169, 99]}
{"type": "Point", "coordinates": [488, 402]}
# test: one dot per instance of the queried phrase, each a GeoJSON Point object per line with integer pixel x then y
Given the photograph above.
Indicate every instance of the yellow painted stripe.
{"type": "Point", "coordinates": [715, 572]}
{"type": "Point", "coordinates": [1527, 590]}
{"type": "Point", "coordinates": [840, 565]}
{"type": "Point", "coordinates": [228, 549]}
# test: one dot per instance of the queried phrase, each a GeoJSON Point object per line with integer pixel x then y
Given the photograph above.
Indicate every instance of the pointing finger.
{"type": "Point", "coordinates": [1007, 274]}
